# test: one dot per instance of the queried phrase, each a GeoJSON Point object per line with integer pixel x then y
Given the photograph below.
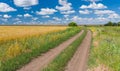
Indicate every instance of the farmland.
{"type": "Point", "coordinates": [11, 35]}
{"type": "Point", "coordinates": [25, 45]}
{"type": "Point", "coordinates": [14, 32]}
{"type": "Point", "coordinates": [59, 48]}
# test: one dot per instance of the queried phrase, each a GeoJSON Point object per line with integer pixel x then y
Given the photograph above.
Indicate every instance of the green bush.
{"type": "Point", "coordinates": [72, 24]}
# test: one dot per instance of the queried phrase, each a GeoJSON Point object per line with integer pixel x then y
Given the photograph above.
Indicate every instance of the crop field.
{"type": "Point", "coordinates": [10, 35]}
{"type": "Point", "coordinates": [14, 32]}
{"type": "Point", "coordinates": [105, 51]}
{"type": "Point", "coordinates": [20, 44]}
{"type": "Point", "coordinates": [59, 48]}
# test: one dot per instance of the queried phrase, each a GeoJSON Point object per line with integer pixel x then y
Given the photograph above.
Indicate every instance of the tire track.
{"type": "Point", "coordinates": [39, 63]}
{"type": "Point", "coordinates": [79, 60]}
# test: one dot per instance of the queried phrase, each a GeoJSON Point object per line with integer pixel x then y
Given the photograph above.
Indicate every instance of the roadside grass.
{"type": "Point", "coordinates": [22, 51]}
{"type": "Point", "coordinates": [59, 63]}
{"type": "Point", "coordinates": [108, 51]}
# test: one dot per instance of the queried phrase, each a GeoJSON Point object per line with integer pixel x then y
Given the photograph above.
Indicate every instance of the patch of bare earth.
{"type": "Point", "coordinates": [99, 68]}
{"type": "Point", "coordinates": [79, 60]}
{"type": "Point", "coordinates": [39, 63]}
{"type": "Point", "coordinates": [95, 34]}
{"type": "Point", "coordinates": [95, 42]}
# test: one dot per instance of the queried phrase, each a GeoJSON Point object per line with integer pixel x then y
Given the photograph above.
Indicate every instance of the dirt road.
{"type": "Point", "coordinates": [79, 60]}
{"type": "Point", "coordinates": [39, 63]}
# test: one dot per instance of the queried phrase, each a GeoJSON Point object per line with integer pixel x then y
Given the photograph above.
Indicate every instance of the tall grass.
{"type": "Point", "coordinates": [59, 63]}
{"type": "Point", "coordinates": [21, 51]}
{"type": "Point", "coordinates": [108, 51]}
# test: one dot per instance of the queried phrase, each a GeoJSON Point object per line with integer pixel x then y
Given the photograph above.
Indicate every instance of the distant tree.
{"type": "Point", "coordinates": [109, 24]}
{"type": "Point", "coordinates": [72, 24]}
{"type": "Point", "coordinates": [115, 24]}
{"type": "Point", "coordinates": [118, 23]}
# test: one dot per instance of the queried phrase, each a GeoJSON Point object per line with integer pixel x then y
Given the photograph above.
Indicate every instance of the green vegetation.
{"type": "Point", "coordinates": [72, 24]}
{"type": "Point", "coordinates": [107, 51]}
{"type": "Point", "coordinates": [112, 24]}
{"type": "Point", "coordinates": [21, 51]}
{"type": "Point", "coordinates": [59, 63]}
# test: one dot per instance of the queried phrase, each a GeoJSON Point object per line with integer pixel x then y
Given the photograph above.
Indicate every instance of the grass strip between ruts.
{"type": "Point", "coordinates": [59, 63]}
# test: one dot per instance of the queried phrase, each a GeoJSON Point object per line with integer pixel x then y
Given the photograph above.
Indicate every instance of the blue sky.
{"type": "Point", "coordinates": [59, 11]}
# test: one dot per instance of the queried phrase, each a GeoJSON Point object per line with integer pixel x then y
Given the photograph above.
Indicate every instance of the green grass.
{"type": "Point", "coordinates": [108, 51]}
{"type": "Point", "coordinates": [59, 63]}
{"type": "Point", "coordinates": [34, 47]}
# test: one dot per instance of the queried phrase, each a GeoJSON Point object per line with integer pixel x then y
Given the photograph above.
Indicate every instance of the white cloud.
{"type": "Point", "coordinates": [16, 19]}
{"type": "Point", "coordinates": [66, 16]}
{"type": "Point", "coordinates": [93, 5]}
{"type": "Point", "coordinates": [25, 3]}
{"type": "Point", "coordinates": [27, 8]}
{"type": "Point", "coordinates": [101, 12]}
{"type": "Point", "coordinates": [114, 15]}
{"type": "Point", "coordinates": [6, 8]}
{"type": "Point", "coordinates": [109, 13]}
{"type": "Point", "coordinates": [56, 18]}
{"type": "Point", "coordinates": [68, 12]}
{"type": "Point", "coordinates": [4, 19]}
{"type": "Point", "coordinates": [6, 16]}
{"type": "Point", "coordinates": [97, 20]}
{"type": "Point", "coordinates": [65, 7]}
{"type": "Point", "coordinates": [27, 15]}
{"type": "Point", "coordinates": [46, 11]}
{"type": "Point", "coordinates": [19, 15]}
{"type": "Point", "coordinates": [85, 12]}
{"type": "Point", "coordinates": [93, 0]}
{"type": "Point", "coordinates": [46, 16]}
{"type": "Point", "coordinates": [35, 18]}
{"type": "Point", "coordinates": [76, 18]}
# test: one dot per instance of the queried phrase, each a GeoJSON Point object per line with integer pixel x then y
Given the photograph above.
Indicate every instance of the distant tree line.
{"type": "Point", "coordinates": [112, 24]}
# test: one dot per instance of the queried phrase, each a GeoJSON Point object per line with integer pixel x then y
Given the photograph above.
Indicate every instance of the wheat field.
{"type": "Point", "coordinates": [14, 32]}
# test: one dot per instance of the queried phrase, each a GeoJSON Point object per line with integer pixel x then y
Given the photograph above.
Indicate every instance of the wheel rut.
{"type": "Point", "coordinates": [79, 60]}
{"type": "Point", "coordinates": [42, 61]}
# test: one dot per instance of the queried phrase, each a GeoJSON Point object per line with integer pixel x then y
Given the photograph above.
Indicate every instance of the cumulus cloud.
{"type": "Point", "coordinates": [56, 18]}
{"type": "Point", "coordinates": [68, 12]}
{"type": "Point", "coordinates": [45, 16]}
{"type": "Point", "coordinates": [108, 13]}
{"type": "Point", "coordinates": [100, 12]}
{"type": "Point", "coordinates": [46, 11]}
{"type": "Point", "coordinates": [93, 0]}
{"type": "Point", "coordinates": [85, 12]}
{"type": "Point", "coordinates": [114, 15]}
{"type": "Point", "coordinates": [65, 8]}
{"type": "Point", "coordinates": [27, 15]}
{"type": "Point", "coordinates": [93, 5]}
{"type": "Point", "coordinates": [25, 3]}
{"type": "Point", "coordinates": [35, 18]}
{"type": "Point", "coordinates": [6, 16]}
{"type": "Point", "coordinates": [97, 20]}
{"type": "Point", "coordinates": [6, 8]}
{"type": "Point", "coordinates": [64, 5]}
{"type": "Point", "coordinates": [19, 15]}
{"type": "Point", "coordinates": [66, 16]}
